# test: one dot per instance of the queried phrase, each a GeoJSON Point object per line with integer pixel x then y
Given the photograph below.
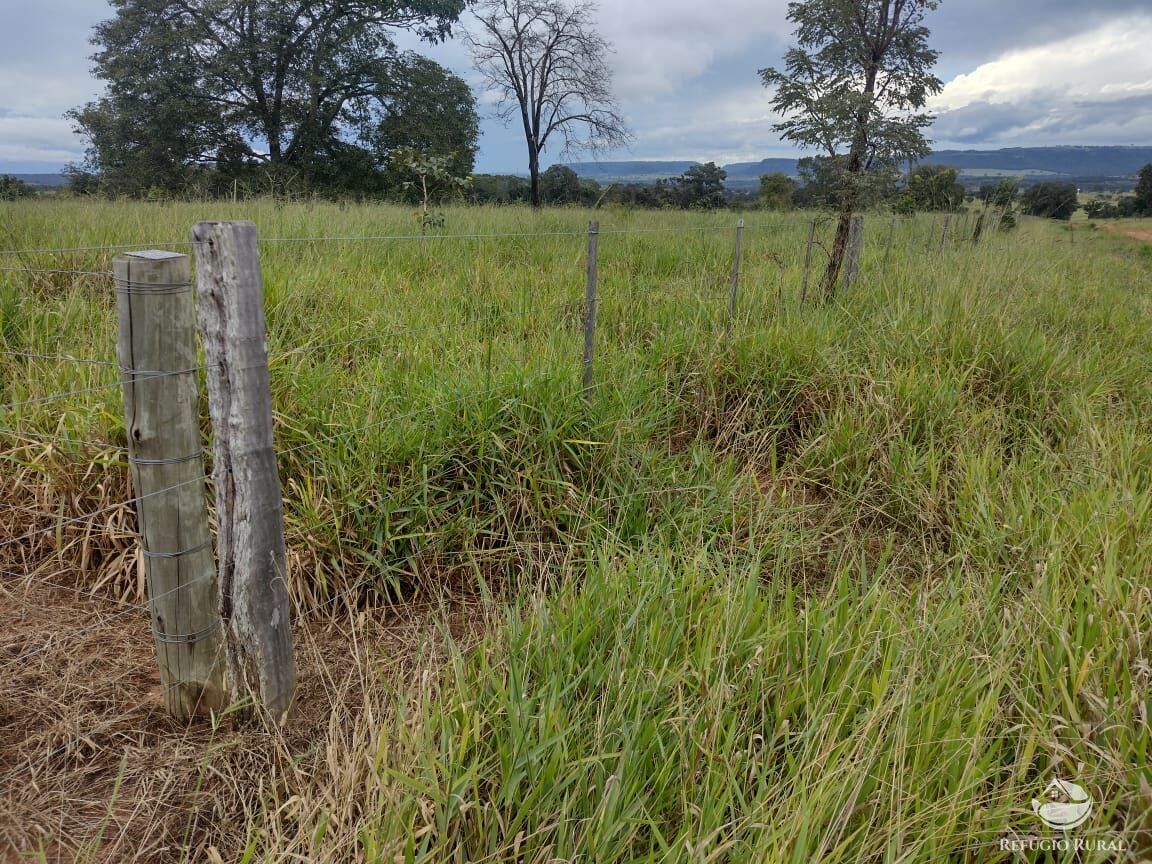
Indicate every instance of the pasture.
{"type": "Point", "coordinates": [841, 582]}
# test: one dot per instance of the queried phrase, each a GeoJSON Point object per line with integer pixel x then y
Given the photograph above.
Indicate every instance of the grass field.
{"type": "Point", "coordinates": [852, 583]}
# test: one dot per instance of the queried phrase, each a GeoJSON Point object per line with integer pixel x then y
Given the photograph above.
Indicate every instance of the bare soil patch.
{"type": "Point", "coordinates": [1143, 234]}
{"type": "Point", "coordinates": [93, 769]}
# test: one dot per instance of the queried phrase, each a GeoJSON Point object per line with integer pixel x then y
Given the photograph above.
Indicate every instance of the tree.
{"type": "Point", "coordinates": [431, 110]}
{"type": "Point", "coordinates": [776, 191]}
{"type": "Point", "coordinates": [933, 188]}
{"type": "Point", "coordinates": [1144, 190]}
{"type": "Point", "coordinates": [13, 188]}
{"type": "Point", "coordinates": [247, 83]}
{"type": "Point", "coordinates": [560, 185]}
{"type": "Point", "coordinates": [701, 187]}
{"type": "Point", "coordinates": [855, 87]}
{"type": "Point", "coordinates": [1051, 200]}
{"type": "Point", "coordinates": [547, 64]}
{"type": "Point", "coordinates": [822, 178]}
{"type": "Point", "coordinates": [1000, 195]}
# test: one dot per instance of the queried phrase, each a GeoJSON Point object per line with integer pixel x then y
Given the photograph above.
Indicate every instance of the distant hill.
{"type": "Point", "coordinates": [1107, 167]}
{"type": "Point", "coordinates": [630, 172]}
{"type": "Point", "coordinates": [42, 181]}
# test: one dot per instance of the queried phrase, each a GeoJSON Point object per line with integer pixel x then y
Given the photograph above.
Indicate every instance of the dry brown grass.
{"type": "Point", "coordinates": [94, 770]}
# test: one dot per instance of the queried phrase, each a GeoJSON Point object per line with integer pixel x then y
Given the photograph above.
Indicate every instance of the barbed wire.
{"type": "Point", "coordinates": [63, 358]}
{"type": "Point", "coordinates": [400, 332]}
{"type": "Point", "coordinates": [48, 270]}
{"type": "Point", "coordinates": [46, 438]}
{"type": "Point", "coordinates": [396, 418]}
{"type": "Point", "coordinates": [106, 509]}
{"type": "Point", "coordinates": [137, 375]}
{"type": "Point", "coordinates": [360, 238]}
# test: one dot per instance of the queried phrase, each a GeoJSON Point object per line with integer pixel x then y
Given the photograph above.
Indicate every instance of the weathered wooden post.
{"type": "Point", "coordinates": [254, 600]}
{"type": "Point", "coordinates": [978, 231]}
{"type": "Point", "coordinates": [736, 256]}
{"type": "Point", "coordinates": [158, 360]}
{"type": "Point", "coordinates": [888, 248]}
{"type": "Point", "coordinates": [944, 233]}
{"type": "Point", "coordinates": [855, 249]}
{"type": "Point", "coordinates": [808, 261]}
{"type": "Point", "coordinates": [590, 303]}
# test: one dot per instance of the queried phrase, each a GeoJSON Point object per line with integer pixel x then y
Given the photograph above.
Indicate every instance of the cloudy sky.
{"type": "Point", "coordinates": [1017, 73]}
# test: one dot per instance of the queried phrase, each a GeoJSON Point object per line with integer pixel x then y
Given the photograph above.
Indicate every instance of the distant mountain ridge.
{"type": "Point", "coordinates": [43, 181]}
{"type": "Point", "coordinates": [1108, 166]}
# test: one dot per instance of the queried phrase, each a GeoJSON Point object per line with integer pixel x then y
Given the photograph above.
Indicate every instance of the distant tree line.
{"type": "Point", "coordinates": [13, 188]}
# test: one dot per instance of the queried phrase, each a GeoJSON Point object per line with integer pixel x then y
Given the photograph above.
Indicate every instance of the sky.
{"type": "Point", "coordinates": [1016, 73]}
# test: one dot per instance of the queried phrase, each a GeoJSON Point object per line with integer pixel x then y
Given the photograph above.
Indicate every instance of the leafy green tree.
{"type": "Point", "coordinates": [1101, 210]}
{"type": "Point", "coordinates": [560, 185]}
{"type": "Point", "coordinates": [428, 108]}
{"type": "Point", "coordinates": [239, 84]}
{"type": "Point", "coordinates": [822, 186]}
{"type": "Point", "coordinates": [855, 86]}
{"type": "Point", "coordinates": [1051, 200]}
{"type": "Point", "coordinates": [776, 191]}
{"type": "Point", "coordinates": [1144, 191]}
{"type": "Point", "coordinates": [548, 67]}
{"type": "Point", "coordinates": [13, 188]}
{"type": "Point", "coordinates": [701, 187]}
{"type": "Point", "coordinates": [499, 189]}
{"type": "Point", "coordinates": [933, 188]}
{"type": "Point", "coordinates": [1000, 195]}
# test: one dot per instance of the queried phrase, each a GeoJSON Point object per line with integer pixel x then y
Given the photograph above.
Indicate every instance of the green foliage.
{"type": "Point", "coordinates": [561, 185]}
{"type": "Point", "coordinates": [1000, 195]}
{"type": "Point", "coordinates": [855, 86]}
{"type": "Point", "coordinates": [850, 584]}
{"type": "Point", "coordinates": [856, 83]}
{"type": "Point", "coordinates": [13, 188]}
{"type": "Point", "coordinates": [429, 179]}
{"type": "Point", "coordinates": [701, 188]}
{"type": "Point", "coordinates": [1050, 200]}
{"type": "Point", "coordinates": [823, 184]}
{"type": "Point", "coordinates": [201, 94]}
{"type": "Point", "coordinates": [431, 110]}
{"type": "Point", "coordinates": [933, 188]}
{"type": "Point", "coordinates": [1144, 191]}
{"type": "Point", "coordinates": [499, 189]}
{"type": "Point", "coordinates": [776, 192]}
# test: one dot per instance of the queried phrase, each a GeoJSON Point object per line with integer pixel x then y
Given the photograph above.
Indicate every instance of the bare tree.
{"type": "Point", "coordinates": [546, 62]}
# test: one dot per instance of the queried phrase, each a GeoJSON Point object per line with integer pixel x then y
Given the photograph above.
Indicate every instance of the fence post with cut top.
{"type": "Point", "coordinates": [160, 380]}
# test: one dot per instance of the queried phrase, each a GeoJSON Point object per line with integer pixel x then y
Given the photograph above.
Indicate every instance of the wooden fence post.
{"type": "Point", "coordinates": [158, 359]}
{"type": "Point", "coordinates": [808, 261]}
{"type": "Point", "coordinates": [254, 599]}
{"type": "Point", "coordinates": [888, 248]}
{"type": "Point", "coordinates": [944, 233]}
{"type": "Point", "coordinates": [855, 248]}
{"type": "Point", "coordinates": [590, 303]}
{"type": "Point", "coordinates": [737, 254]}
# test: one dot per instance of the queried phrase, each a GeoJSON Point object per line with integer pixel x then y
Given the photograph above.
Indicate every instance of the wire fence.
{"type": "Point", "coordinates": [879, 249]}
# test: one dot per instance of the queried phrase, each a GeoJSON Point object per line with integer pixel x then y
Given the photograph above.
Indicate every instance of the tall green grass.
{"type": "Point", "coordinates": [850, 584]}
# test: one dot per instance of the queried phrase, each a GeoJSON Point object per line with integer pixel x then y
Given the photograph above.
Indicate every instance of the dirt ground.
{"type": "Point", "coordinates": [1135, 233]}
{"type": "Point", "coordinates": [93, 769]}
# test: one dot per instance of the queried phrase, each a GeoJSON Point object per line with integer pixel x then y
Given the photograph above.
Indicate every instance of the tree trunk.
{"type": "Point", "coordinates": [840, 244]}
{"type": "Point", "coordinates": [534, 171]}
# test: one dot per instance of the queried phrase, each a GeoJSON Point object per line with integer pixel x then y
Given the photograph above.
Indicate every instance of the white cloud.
{"type": "Point", "coordinates": [1113, 59]}
{"type": "Point", "coordinates": [660, 46]}
{"type": "Point", "coordinates": [37, 139]}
